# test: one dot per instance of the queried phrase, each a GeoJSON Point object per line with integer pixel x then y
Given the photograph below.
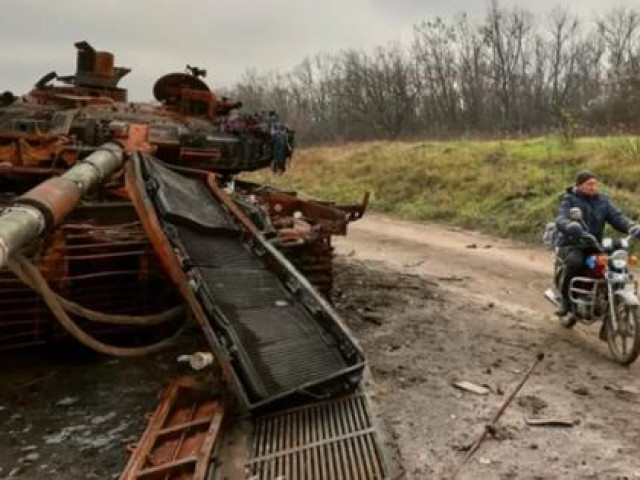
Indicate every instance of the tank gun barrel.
{"type": "Point", "coordinates": [45, 206]}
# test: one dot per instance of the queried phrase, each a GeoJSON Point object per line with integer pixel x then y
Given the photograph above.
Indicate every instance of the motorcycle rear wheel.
{"type": "Point", "coordinates": [624, 343]}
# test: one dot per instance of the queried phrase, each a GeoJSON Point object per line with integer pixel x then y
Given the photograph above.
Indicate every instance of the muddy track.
{"type": "Point", "coordinates": [432, 306]}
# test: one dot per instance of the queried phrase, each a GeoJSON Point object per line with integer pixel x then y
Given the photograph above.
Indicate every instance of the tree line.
{"type": "Point", "coordinates": [508, 74]}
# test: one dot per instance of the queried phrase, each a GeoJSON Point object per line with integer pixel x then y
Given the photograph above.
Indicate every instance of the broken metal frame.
{"type": "Point", "coordinates": [331, 439]}
{"type": "Point", "coordinates": [294, 278]}
{"type": "Point", "coordinates": [294, 281]}
{"type": "Point", "coordinates": [180, 437]}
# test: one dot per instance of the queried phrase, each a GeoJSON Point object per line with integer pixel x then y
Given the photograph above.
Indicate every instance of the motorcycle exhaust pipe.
{"type": "Point", "coordinates": [550, 295]}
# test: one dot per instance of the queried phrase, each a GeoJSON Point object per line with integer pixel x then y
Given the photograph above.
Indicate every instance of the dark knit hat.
{"type": "Point", "coordinates": [583, 176]}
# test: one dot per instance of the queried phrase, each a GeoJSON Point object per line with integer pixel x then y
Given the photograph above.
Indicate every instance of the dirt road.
{"type": "Point", "coordinates": [487, 267]}
{"type": "Point", "coordinates": [432, 306]}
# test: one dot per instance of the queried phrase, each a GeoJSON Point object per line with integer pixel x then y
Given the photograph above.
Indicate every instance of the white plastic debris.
{"type": "Point", "coordinates": [471, 387]}
{"type": "Point", "coordinates": [99, 419]}
{"type": "Point", "coordinates": [30, 458]}
{"type": "Point", "coordinates": [230, 187]}
{"type": "Point", "coordinates": [197, 360]}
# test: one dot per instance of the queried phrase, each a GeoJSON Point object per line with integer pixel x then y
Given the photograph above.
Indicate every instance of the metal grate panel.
{"type": "Point", "coordinates": [328, 440]}
{"type": "Point", "coordinates": [284, 343]}
{"type": "Point", "coordinates": [226, 252]}
{"type": "Point", "coordinates": [278, 343]}
{"type": "Point", "coordinates": [187, 201]}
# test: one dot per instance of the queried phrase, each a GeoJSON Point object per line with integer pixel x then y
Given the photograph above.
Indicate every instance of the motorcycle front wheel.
{"type": "Point", "coordinates": [568, 321]}
{"type": "Point", "coordinates": [624, 342]}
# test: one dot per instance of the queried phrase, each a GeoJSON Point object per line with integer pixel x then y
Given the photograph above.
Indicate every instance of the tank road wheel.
{"type": "Point", "coordinates": [624, 342]}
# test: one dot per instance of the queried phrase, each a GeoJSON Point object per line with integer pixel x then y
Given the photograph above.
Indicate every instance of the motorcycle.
{"type": "Point", "coordinates": [607, 292]}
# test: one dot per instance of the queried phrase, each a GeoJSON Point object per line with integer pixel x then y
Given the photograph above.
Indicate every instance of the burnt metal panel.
{"type": "Point", "coordinates": [179, 440]}
{"type": "Point", "coordinates": [279, 342]}
{"type": "Point", "coordinates": [180, 201]}
{"type": "Point", "coordinates": [334, 439]}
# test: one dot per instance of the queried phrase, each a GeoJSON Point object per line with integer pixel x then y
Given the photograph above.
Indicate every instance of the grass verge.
{"type": "Point", "coordinates": [507, 188]}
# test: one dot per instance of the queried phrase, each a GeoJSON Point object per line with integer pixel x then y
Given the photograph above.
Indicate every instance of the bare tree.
{"type": "Point", "coordinates": [434, 53]}
{"type": "Point", "coordinates": [505, 34]}
{"type": "Point", "coordinates": [503, 75]}
{"type": "Point", "coordinates": [563, 51]}
{"type": "Point", "coordinates": [472, 73]}
{"type": "Point", "coordinates": [619, 29]}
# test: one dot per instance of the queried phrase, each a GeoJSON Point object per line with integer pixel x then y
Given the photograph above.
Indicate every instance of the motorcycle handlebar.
{"type": "Point", "coordinates": [594, 242]}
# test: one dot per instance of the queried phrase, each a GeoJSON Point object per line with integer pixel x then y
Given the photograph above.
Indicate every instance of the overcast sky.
{"type": "Point", "coordinates": [226, 37]}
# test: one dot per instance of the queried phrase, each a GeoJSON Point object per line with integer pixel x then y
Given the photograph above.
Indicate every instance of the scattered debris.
{"type": "Point", "coordinates": [373, 317]}
{"type": "Point", "coordinates": [30, 458]}
{"type": "Point", "coordinates": [197, 360]}
{"type": "Point", "coordinates": [622, 390]}
{"type": "Point", "coordinates": [549, 422]}
{"type": "Point", "coordinates": [102, 419]}
{"type": "Point", "coordinates": [453, 278]}
{"type": "Point", "coordinates": [180, 436]}
{"type": "Point", "coordinates": [465, 447]}
{"type": "Point", "coordinates": [16, 471]}
{"type": "Point", "coordinates": [581, 390]}
{"type": "Point", "coordinates": [66, 401]}
{"type": "Point", "coordinates": [65, 434]}
{"type": "Point", "coordinates": [472, 387]}
{"type": "Point", "coordinates": [491, 427]}
{"type": "Point", "coordinates": [532, 403]}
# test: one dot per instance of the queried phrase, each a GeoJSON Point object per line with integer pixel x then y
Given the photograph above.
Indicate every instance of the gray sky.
{"type": "Point", "coordinates": [226, 37]}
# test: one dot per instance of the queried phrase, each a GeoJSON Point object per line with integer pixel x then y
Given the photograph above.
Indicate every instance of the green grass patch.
{"type": "Point", "coordinates": [509, 188]}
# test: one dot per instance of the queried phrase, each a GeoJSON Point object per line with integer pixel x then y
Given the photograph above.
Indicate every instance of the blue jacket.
{"type": "Point", "coordinates": [596, 211]}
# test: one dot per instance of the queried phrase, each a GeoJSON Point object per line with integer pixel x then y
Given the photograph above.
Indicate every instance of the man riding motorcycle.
{"type": "Point", "coordinates": [597, 209]}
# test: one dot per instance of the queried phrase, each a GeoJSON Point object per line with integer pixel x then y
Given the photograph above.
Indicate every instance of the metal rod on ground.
{"type": "Point", "coordinates": [490, 427]}
{"type": "Point", "coordinates": [46, 205]}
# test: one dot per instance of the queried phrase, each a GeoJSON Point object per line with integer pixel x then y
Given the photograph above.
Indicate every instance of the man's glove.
{"type": "Point", "coordinates": [575, 230]}
{"type": "Point", "coordinates": [635, 231]}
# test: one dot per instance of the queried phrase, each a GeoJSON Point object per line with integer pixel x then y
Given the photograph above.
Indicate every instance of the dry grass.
{"type": "Point", "coordinates": [509, 188]}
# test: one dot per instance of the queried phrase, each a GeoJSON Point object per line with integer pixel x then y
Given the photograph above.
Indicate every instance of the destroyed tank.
{"type": "Point", "coordinates": [120, 219]}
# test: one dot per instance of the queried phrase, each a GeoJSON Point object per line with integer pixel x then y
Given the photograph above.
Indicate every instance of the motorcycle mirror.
{"type": "Point", "coordinates": [575, 214]}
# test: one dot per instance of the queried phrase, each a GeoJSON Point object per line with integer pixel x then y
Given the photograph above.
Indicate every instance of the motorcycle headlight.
{"type": "Point", "coordinates": [619, 259]}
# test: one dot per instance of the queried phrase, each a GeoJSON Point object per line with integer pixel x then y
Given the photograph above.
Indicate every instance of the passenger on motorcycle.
{"type": "Point", "coordinates": [597, 209]}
